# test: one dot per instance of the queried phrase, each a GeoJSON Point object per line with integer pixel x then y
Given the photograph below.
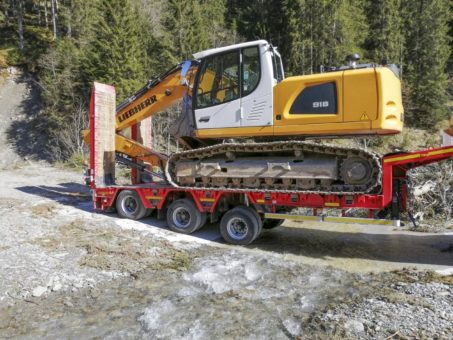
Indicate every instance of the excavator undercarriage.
{"type": "Point", "coordinates": [291, 166]}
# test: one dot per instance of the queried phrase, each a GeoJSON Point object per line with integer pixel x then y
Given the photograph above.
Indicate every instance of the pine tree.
{"type": "Point", "coordinates": [385, 39]}
{"type": "Point", "coordinates": [275, 21]}
{"type": "Point", "coordinates": [427, 52]}
{"type": "Point", "coordinates": [186, 28]}
{"type": "Point", "coordinates": [116, 54]}
{"type": "Point", "coordinates": [349, 30]}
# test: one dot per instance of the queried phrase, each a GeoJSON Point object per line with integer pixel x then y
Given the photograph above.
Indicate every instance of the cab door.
{"type": "Point", "coordinates": [257, 82]}
{"type": "Point", "coordinates": [217, 95]}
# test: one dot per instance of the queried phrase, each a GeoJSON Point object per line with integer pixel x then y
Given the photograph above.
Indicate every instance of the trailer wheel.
{"type": "Point", "coordinates": [129, 205]}
{"type": "Point", "coordinates": [184, 217]}
{"type": "Point", "coordinates": [240, 226]}
{"type": "Point", "coordinates": [259, 220]}
{"type": "Point", "coordinates": [270, 223]}
{"type": "Point", "coordinates": [204, 219]}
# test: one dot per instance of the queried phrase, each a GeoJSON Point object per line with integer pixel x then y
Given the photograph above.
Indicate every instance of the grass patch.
{"type": "Point", "coordinates": [116, 250]}
{"type": "Point", "coordinates": [429, 276]}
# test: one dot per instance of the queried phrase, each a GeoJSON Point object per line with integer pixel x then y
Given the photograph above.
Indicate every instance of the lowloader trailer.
{"type": "Point", "coordinates": [242, 213]}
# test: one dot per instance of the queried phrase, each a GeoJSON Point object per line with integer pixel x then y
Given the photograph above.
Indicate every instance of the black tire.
{"type": "Point", "coordinates": [184, 217]}
{"type": "Point", "coordinates": [204, 219]}
{"type": "Point", "coordinates": [269, 223]}
{"type": "Point", "coordinates": [239, 226]}
{"type": "Point", "coordinates": [129, 205]}
{"type": "Point", "coordinates": [258, 218]}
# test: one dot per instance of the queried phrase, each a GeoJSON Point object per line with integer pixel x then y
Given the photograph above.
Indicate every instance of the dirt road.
{"type": "Point", "coordinates": [68, 272]}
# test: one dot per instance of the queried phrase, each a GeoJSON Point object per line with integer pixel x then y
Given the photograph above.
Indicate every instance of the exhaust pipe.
{"type": "Point", "coordinates": [449, 131]}
{"type": "Point", "coordinates": [447, 136]}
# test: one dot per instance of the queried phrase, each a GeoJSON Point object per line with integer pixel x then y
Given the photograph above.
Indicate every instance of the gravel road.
{"type": "Point", "coordinates": [68, 272]}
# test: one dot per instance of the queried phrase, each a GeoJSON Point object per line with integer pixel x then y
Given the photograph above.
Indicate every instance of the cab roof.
{"type": "Point", "coordinates": [203, 54]}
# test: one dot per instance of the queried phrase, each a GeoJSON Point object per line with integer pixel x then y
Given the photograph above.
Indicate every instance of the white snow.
{"type": "Point", "coordinates": [445, 272]}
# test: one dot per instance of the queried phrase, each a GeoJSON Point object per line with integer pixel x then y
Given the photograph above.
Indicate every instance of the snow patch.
{"type": "Point", "coordinates": [445, 272]}
{"type": "Point", "coordinates": [186, 241]}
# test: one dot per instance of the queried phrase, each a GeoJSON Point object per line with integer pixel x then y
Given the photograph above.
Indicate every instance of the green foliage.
{"type": "Point", "coordinates": [59, 80]}
{"type": "Point", "coordinates": [125, 42]}
{"type": "Point", "coordinates": [188, 23]}
{"type": "Point", "coordinates": [385, 38]}
{"type": "Point", "coordinates": [308, 33]}
{"type": "Point", "coordinates": [115, 55]}
{"type": "Point", "coordinates": [427, 52]}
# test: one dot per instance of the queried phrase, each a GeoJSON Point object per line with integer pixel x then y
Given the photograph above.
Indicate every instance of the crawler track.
{"type": "Point", "coordinates": [346, 159]}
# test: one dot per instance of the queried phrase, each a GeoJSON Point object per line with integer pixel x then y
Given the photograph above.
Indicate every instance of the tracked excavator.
{"type": "Point", "coordinates": [244, 126]}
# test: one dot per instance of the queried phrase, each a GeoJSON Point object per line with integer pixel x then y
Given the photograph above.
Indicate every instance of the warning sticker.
{"type": "Point", "coordinates": [364, 116]}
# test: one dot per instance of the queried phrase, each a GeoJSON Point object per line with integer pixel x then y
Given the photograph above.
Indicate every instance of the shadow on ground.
{"type": "Point", "coordinates": [71, 194]}
{"type": "Point", "coordinates": [316, 242]}
{"type": "Point", "coordinates": [306, 239]}
{"type": "Point", "coordinates": [364, 242]}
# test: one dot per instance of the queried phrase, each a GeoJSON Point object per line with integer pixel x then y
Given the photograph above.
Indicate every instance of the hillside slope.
{"type": "Point", "coordinates": [20, 124]}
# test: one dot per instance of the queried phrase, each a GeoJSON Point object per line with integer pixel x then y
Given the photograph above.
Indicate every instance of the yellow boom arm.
{"type": "Point", "coordinates": [158, 95]}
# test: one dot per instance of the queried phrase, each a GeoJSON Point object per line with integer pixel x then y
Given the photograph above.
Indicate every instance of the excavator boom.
{"type": "Point", "coordinates": [156, 96]}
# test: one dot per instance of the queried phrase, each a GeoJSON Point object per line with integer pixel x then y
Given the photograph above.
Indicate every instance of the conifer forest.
{"type": "Point", "coordinates": [68, 44]}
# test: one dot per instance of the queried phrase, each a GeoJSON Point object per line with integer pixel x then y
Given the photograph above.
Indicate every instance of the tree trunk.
{"type": "Point", "coordinates": [54, 18]}
{"type": "Point", "coordinates": [38, 11]}
{"type": "Point", "coordinates": [45, 12]}
{"type": "Point", "coordinates": [18, 11]}
{"type": "Point", "coordinates": [68, 19]}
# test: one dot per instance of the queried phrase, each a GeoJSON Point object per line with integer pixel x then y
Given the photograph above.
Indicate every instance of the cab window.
{"type": "Point", "coordinates": [219, 80]}
{"type": "Point", "coordinates": [277, 67]}
{"type": "Point", "coordinates": [251, 70]}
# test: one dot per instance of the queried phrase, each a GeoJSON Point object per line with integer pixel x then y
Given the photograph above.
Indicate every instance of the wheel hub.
{"type": "Point", "coordinates": [129, 205]}
{"type": "Point", "coordinates": [237, 228]}
{"type": "Point", "coordinates": [181, 217]}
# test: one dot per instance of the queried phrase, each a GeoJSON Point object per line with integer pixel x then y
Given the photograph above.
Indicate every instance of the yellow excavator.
{"type": "Point", "coordinates": [246, 127]}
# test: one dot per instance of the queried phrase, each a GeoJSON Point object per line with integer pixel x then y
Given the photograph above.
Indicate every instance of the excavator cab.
{"type": "Point", "coordinates": [234, 89]}
{"type": "Point", "coordinates": [241, 91]}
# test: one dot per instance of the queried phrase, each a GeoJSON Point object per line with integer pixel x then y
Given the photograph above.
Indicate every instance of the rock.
{"type": "Point", "coordinates": [57, 286]}
{"type": "Point", "coordinates": [78, 284]}
{"type": "Point", "coordinates": [354, 326]}
{"type": "Point", "coordinates": [38, 291]}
